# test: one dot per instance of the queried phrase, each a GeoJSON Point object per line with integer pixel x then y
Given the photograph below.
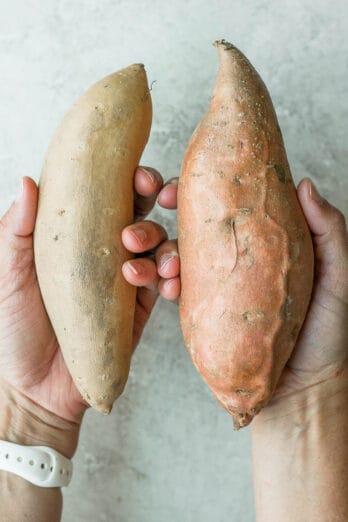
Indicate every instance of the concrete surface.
{"type": "Point", "coordinates": [167, 453]}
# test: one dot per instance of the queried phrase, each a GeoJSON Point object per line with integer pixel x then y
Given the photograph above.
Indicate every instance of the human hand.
{"type": "Point", "coordinates": [322, 346]}
{"type": "Point", "coordinates": [301, 433]}
{"type": "Point", "coordinates": [31, 362]}
{"type": "Point", "coordinates": [157, 272]}
{"type": "Point", "coordinates": [299, 438]}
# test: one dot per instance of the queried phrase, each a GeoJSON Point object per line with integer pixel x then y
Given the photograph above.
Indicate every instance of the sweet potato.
{"type": "Point", "coordinates": [85, 200]}
{"type": "Point", "coordinates": [245, 248]}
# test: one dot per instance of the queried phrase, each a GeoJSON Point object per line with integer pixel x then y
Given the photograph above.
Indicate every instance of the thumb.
{"type": "Point", "coordinates": [330, 239]}
{"type": "Point", "coordinates": [19, 220]}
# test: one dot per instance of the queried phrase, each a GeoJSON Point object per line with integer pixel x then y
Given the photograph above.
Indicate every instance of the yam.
{"type": "Point", "coordinates": [85, 200]}
{"type": "Point", "coordinates": [245, 248]}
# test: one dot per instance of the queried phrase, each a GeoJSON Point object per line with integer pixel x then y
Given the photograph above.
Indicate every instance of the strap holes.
{"type": "Point", "coordinates": [31, 463]}
{"type": "Point", "coordinates": [19, 459]}
{"type": "Point", "coordinates": [7, 456]}
{"type": "Point", "coordinates": [43, 465]}
{"type": "Point", "coordinates": [61, 471]}
{"type": "Point", "coordinates": [51, 468]}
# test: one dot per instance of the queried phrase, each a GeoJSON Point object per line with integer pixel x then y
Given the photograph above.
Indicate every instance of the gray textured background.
{"type": "Point", "coordinates": [167, 452]}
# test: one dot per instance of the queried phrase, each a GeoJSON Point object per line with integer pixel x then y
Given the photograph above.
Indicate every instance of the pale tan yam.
{"type": "Point", "coordinates": [245, 248]}
{"type": "Point", "coordinates": [86, 199]}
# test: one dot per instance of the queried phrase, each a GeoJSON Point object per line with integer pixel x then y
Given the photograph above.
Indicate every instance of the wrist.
{"type": "Point", "coordinates": [302, 404]}
{"type": "Point", "coordinates": [25, 422]}
{"type": "Point", "coordinates": [300, 454]}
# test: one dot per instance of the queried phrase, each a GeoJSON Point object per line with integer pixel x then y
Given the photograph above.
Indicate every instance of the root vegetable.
{"type": "Point", "coordinates": [245, 248]}
{"type": "Point", "coordinates": [86, 199]}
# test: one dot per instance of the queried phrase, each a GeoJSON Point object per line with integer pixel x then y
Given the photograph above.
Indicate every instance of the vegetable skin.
{"type": "Point", "coordinates": [245, 248]}
{"type": "Point", "coordinates": [85, 200]}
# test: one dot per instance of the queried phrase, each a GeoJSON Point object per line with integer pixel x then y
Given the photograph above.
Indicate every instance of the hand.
{"type": "Point", "coordinates": [322, 346]}
{"type": "Point", "coordinates": [161, 276]}
{"type": "Point", "coordinates": [299, 439]}
{"type": "Point", "coordinates": [31, 362]}
{"type": "Point", "coordinates": [160, 270]}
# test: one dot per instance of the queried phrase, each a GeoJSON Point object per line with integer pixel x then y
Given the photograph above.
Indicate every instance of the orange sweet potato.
{"type": "Point", "coordinates": [245, 248]}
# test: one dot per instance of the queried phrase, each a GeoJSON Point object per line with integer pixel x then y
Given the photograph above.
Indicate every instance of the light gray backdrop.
{"type": "Point", "coordinates": [167, 453]}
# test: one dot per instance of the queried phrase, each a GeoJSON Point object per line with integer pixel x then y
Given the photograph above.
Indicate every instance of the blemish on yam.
{"type": "Point", "coordinates": [245, 210]}
{"type": "Point", "coordinates": [281, 174]}
{"type": "Point", "coordinates": [286, 308]}
{"type": "Point", "coordinates": [104, 251]}
{"type": "Point", "coordinates": [227, 224]}
{"type": "Point", "coordinates": [245, 393]}
{"type": "Point", "coordinates": [251, 316]}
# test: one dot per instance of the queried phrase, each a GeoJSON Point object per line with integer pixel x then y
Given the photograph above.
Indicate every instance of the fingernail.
{"type": "Point", "coordinates": [168, 284]}
{"type": "Point", "coordinates": [136, 268]}
{"type": "Point", "coordinates": [20, 191]}
{"type": "Point", "coordinates": [140, 234]}
{"type": "Point", "coordinates": [314, 194]}
{"type": "Point", "coordinates": [151, 175]}
{"type": "Point", "coordinates": [166, 258]}
{"type": "Point", "coordinates": [173, 181]}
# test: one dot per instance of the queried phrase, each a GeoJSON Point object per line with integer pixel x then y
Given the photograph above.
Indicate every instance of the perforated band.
{"type": "Point", "coordinates": [39, 465]}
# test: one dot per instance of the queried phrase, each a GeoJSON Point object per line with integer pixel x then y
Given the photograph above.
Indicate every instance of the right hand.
{"type": "Point", "coordinates": [322, 346]}
{"type": "Point", "coordinates": [321, 349]}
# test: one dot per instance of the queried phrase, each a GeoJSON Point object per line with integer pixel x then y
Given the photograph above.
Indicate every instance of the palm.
{"type": "Point", "coordinates": [315, 351]}
{"type": "Point", "coordinates": [38, 368]}
{"type": "Point", "coordinates": [321, 333]}
{"type": "Point", "coordinates": [322, 343]}
{"type": "Point", "coordinates": [30, 358]}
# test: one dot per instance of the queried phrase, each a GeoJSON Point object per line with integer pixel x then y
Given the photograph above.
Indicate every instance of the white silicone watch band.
{"type": "Point", "coordinates": [40, 465]}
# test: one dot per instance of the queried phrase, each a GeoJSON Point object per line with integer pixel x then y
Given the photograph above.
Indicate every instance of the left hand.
{"type": "Point", "coordinates": [31, 362]}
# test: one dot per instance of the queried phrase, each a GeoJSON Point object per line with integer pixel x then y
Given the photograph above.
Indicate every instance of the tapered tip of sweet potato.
{"type": "Point", "coordinates": [241, 420]}
{"type": "Point", "coordinates": [241, 409]}
{"type": "Point", "coordinates": [103, 408]}
{"type": "Point", "coordinates": [224, 44]}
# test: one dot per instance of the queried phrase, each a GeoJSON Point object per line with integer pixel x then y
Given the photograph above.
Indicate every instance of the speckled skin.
{"type": "Point", "coordinates": [246, 252]}
{"type": "Point", "coordinates": [86, 199]}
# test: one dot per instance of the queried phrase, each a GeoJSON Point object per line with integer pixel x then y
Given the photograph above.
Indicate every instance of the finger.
{"type": "Point", "coordinates": [167, 197]}
{"type": "Point", "coordinates": [170, 288]}
{"type": "Point", "coordinates": [19, 220]}
{"type": "Point", "coordinates": [143, 236]}
{"type": "Point", "coordinates": [325, 221]}
{"type": "Point", "coordinates": [330, 239]}
{"type": "Point", "coordinates": [141, 272]}
{"type": "Point", "coordinates": [167, 259]}
{"type": "Point", "coordinates": [147, 184]}
{"type": "Point", "coordinates": [322, 217]}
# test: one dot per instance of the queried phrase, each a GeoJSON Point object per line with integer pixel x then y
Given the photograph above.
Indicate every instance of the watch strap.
{"type": "Point", "coordinates": [40, 465]}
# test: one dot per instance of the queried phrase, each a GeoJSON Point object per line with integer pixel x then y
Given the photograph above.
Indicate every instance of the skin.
{"type": "Point", "coordinates": [308, 405]}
